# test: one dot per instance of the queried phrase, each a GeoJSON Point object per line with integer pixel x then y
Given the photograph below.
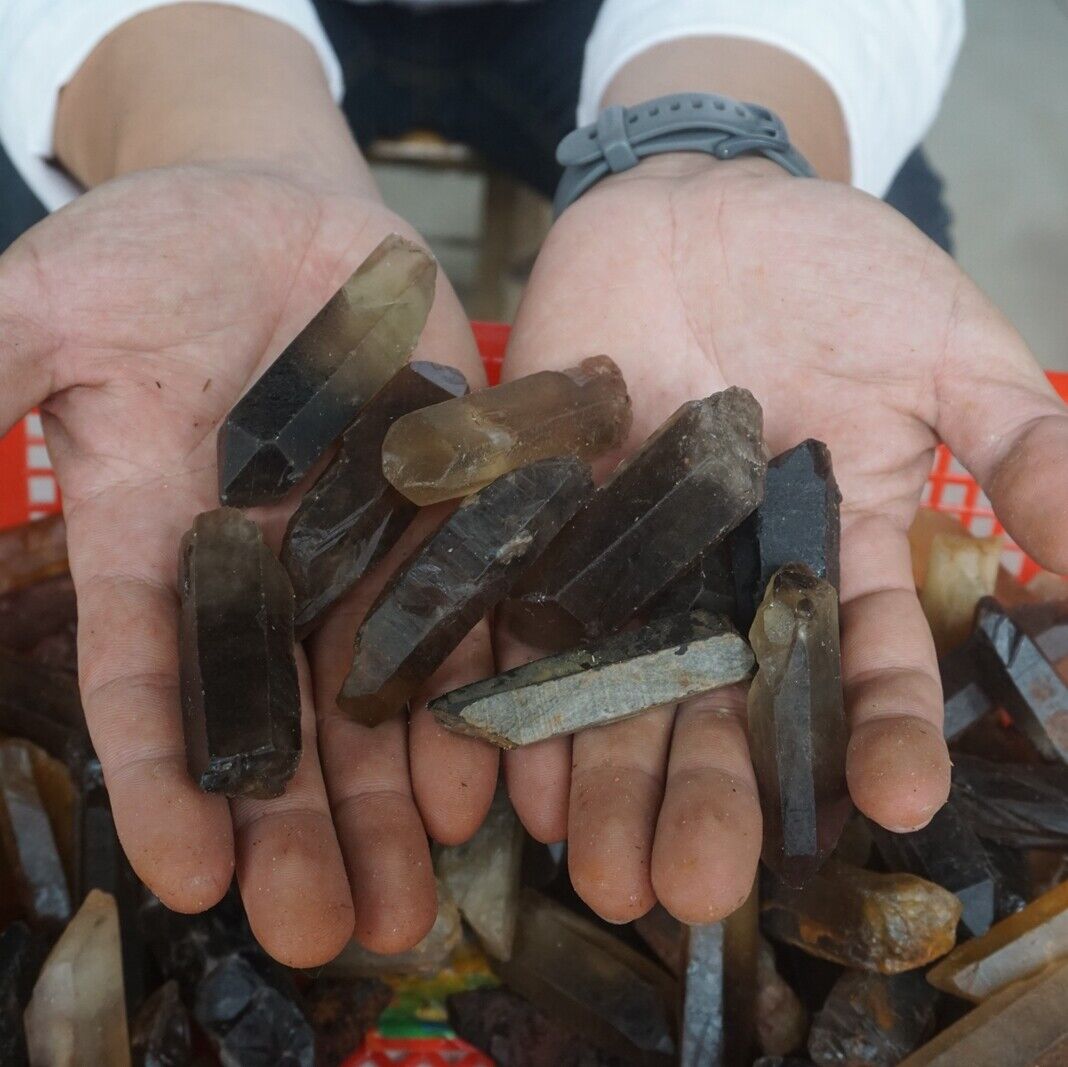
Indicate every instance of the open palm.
{"type": "Point", "coordinates": [849, 326]}
{"type": "Point", "coordinates": [138, 315]}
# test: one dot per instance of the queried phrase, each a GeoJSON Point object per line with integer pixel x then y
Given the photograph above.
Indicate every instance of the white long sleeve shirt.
{"type": "Point", "coordinates": [888, 62]}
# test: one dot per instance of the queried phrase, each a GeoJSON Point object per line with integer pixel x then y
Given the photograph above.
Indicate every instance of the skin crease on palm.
{"type": "Point", "coordinates": [141, 312]}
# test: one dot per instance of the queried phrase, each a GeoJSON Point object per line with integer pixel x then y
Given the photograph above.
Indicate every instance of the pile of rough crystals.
{"type": "Point", "coordinates": [944, 947]}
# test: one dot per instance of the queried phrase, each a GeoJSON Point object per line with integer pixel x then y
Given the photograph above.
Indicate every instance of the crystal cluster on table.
{"type": "Point", "coordinates": [698, 563]}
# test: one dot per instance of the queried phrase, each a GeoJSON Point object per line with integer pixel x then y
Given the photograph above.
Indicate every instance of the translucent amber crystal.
{"type": "Point", "coordinates": [797, 725]}
{"type": "Point", "coordinates": [32, 552]}
{"type": "Point", "coordinates": [961, 570]}
{"type": "Point", "coordinates": [313, 390]}
{"type": "Point", "coordinates": [456, 447]}
{"type": "Point", "coordinates": [1017, 947]}
{"type": "Point", "coordinates": [857, 918]}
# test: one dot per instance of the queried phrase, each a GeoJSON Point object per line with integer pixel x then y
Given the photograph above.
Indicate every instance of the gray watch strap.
{"type": "Point", "coordinates": [687, 122]}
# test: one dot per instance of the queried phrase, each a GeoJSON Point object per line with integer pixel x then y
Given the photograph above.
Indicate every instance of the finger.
{"type": "Point", "coordinates": [1003, 421]}
{"type": "Point", "coordinates": [538, 776]}
{"type": "Point", "coordinates": [453, 777]}
{"type": "Point", "coordinates": [289, 866]}
{"type": "Point", "coordinates": [28, 343]}
{"type": "Point", "coordinates": [178, 838]}
{"type": "Point", "coordinates": [708, 835]}
{"type": "Point", "coordinates": [617, 783]}
{"type": "Point", "coordinates": [897, 763]}
{"type": "Point", "coordinates": [381, 834]}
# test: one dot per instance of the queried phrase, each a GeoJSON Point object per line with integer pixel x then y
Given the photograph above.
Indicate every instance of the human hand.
{"type": "Point", "coordinates": [849, 326]}
{"type": "Point", "coordinates": [137, 316]}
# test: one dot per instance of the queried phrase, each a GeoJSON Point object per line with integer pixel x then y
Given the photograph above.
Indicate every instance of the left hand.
{"type": "Point", "coordinates": [849, 326]}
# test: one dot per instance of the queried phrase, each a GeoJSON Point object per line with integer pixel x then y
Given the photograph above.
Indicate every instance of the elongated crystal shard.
{"type": "Point", "coordinates": [948, 852]}
{"type": "Point", "coordinates": [240, 702]}
{"type": "Point", "coordinates": [77, 1015]}
{"type": "Point", "coordinates": [1024, 1025]}
{"type": "Point", "coordinates": [482, 876]}
{"type": "Point", "coordinates": [1019, 675]}
{"type": "Point", "coordinates": [880, 922]}
{"type": "Point", "coordinates": [1023, 806]}
{"type": "Point", "coordinates": [466, 567]}
{"type": "Point", "coordinates": [606, 681]}
{"type": "Point", "coordinates": [313, 390]}
{"type": "Point", "coordinates": [720, 990]}
{"type": "Point", "coordinates": [351, 517]}
{"type": "Point", "coordinates": [28, 841]}
{"type": "Point", "coordinates": [581, 974]}
{"type": "Point", "coordinates": [456, 447]}
{"type": "Point", "coordinates": [691, 483]}
{"type": "Point", "coordinates": [797, 725]}
{"type": "Point", "coordinates": [796, 522]}
{"type": "Point", "coordinates": [961, 571]}
{"type": "Point", "coordinates": [872, 1019]}
{"type": "Point", "coordinates": [1015, 948]}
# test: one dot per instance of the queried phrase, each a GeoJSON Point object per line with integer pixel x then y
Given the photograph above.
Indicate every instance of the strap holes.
{"type": "Point", "coordinates": [676, 106]}
{"type": "Point", "coordinates": [654, 111]}
{"type": "Point", "coordinates": [697, 103]}
{"type": "Point", "coordinates": [720, 106]}
{"type": "Point", "coordinates": [771, 131]}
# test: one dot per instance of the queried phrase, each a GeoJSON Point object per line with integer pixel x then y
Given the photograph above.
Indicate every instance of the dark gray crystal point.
{"type": "Point", "coordinates": [948, 852]}
{"type": "Point", "coordinates": [312, 391]}
{"type": "Point", "coordinates": [796, 522]}
{"type": "Point", "coordinates": [615, 678]}
{"type": "Point", "coordinates": [352, 516]}
{"type": "Point", "coordinates": [240, 701]}
{"type": "Point", "coordinates": [692, 482]}
{"type": "Point", "coordinates": [466, 567]}
{"type": "Point", "coordinates": [1017, 673]}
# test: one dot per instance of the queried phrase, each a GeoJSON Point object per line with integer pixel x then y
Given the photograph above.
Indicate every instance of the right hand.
{"type": "Point", "coordinates": [136, 317]}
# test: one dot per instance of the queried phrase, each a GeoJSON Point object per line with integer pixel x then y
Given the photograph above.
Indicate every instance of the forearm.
{"type": "Point", "coordinates": [202, 83]}
{"type": "Point", "coordinates": [746, 70]}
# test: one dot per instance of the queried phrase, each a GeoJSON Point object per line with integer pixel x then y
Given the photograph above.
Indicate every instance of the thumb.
{"type": "Point", "coordinates": [28, 343]}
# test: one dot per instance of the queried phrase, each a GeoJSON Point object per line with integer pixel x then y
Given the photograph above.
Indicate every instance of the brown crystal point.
{"type": "Point", "coordinates": [603, 682]}
{"type": "Point", "coordinates": [313, 390]}
{"type": "Point", "coordinates": [482, 876]}
{"type": "Point", "coordinates": [28, 842]}
{"type": "Point", "coordinates": [240, 701]}
{"type": "Point", "coordinates": [456, 447]}
{"type": "Point", "coordinates": [77, 1014]}
{"type": "Point", "coordinates": [1015, 948]}
{"type": "Point", "coordinates": [464, 568]}
{"type": "Point", "coordinates": [879, 922]}
{"type": "Point", "coordinates": [588, 979]}
{"type": "Point", "coordinates": [720, 990]}
{"type": "Point", "coordinates": [1024, 1025]}
{"type": "Point", "coordinates": [351, 517]}
{"type": "Point", "coordinates": [872, 1019]}
{"type": "Point", "coordinates": [691, 483]}
{"type": "Point", "coordinates": [32, 552]}
{"type": "Point", "coordinates": [797, 724]}
{"type": "Point", "coordinates": [961, 571]}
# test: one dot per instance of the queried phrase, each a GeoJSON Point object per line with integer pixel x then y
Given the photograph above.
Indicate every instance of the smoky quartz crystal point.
{"type": "Point", "coordinates": [689, 485]}
{"type": "Point", "coordinates": [797, 724]}
{"type": "Point", "coordinates": [312, 391]}
{"type": "Point", "coordinates": [456, 447]}
{"type": "Point", "coordinates": [613, 679]}
{"type": "Point", "coordinates": [796, 522]}
{"type": "Point", "coordinates": [466, 567]}
{"type": "Point", "coordinates": [351, 517]}
{"type": "Point", "coordinates": [240, 701]}
{"type": "Point", "coordinates": [948, 852]}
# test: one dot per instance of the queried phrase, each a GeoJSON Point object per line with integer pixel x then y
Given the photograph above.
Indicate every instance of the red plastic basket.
{"type": "Point", "coordinates": [28, 490]}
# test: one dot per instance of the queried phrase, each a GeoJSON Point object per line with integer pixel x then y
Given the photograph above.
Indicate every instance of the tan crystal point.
{"type": "Point", "coordinates": [1015, 948]}
{"type": "Point", "coordinates": [482, 875]}
{"type": "Point", "coordinates": [1025, 1025]}
{"type": "Point", "coordinates": [880, 922]}
{"type": "Point", "coordinates": [961, 570]}
{"type": "Point", "coordinates": [77, 1014]}
{"type": "Point", "coordinates": [458, 446]}
{"type": "Point", "coordinates": [797, 724]}
{"type": "Point", "coordinates": [427, 957]}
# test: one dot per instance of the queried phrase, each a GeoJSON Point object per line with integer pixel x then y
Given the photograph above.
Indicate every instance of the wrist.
{"type": "Point", "coordinates": [199, 83]}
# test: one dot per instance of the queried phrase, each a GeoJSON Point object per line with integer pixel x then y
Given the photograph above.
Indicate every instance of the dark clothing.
{"type": "Point", "coordinates": [501, 78]}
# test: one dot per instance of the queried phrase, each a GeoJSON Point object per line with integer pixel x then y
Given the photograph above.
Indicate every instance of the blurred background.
{"type": "Point", "coordinates": [1001, 143]}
